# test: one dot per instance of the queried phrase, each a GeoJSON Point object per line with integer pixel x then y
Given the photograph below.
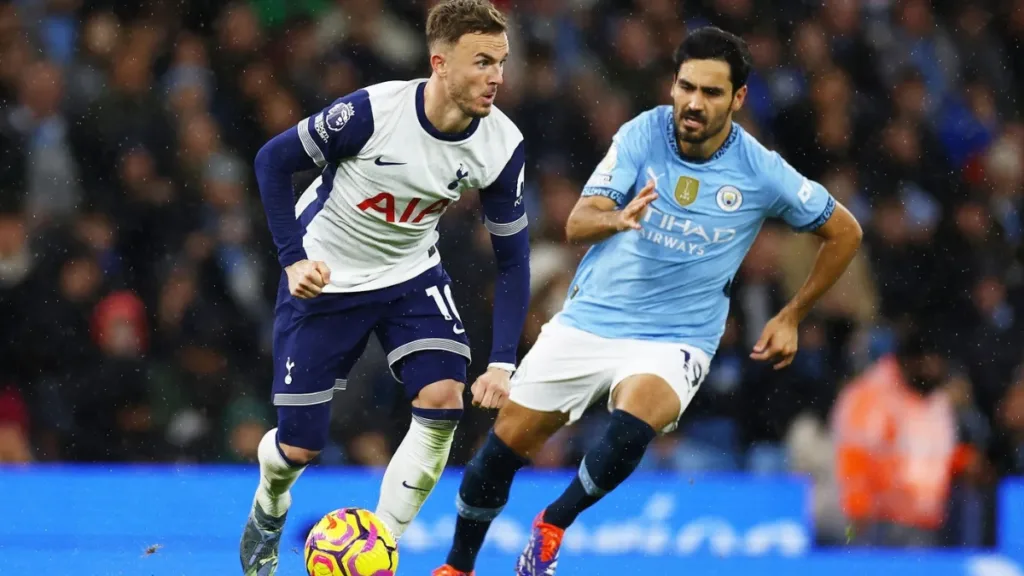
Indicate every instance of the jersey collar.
{"type": "Point", "coordinates": [734, 133]}
{"type": "Point", "coordinates": [421, 114]}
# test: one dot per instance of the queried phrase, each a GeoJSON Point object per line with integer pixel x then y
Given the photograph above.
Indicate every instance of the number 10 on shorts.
{"type": "Point", "coordinates": [447, 309]}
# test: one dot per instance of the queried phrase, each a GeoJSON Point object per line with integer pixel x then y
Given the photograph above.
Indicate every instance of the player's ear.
{"type": "Point", "coordinates": [739, 98]}
{"type": "Point", "coordinates": [438, 63]}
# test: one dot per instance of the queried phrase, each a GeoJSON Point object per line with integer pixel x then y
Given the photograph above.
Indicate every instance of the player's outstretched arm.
{"type": "Point", "coordinates": [595, 218]}
{"type": "Point", "coordinates": [842, 237]}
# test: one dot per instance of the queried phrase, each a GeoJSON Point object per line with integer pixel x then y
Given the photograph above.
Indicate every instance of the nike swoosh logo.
{"type": "Point", "coordinates": [458, 330]}
{"type": "Point", "coordinates": [406, 485]}
{"type": "Point", "coordinates": [380, 162]}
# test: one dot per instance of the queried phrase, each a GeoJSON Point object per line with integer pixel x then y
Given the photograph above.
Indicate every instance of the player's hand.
{"type": "Point", "coordinates": [307, 278]}
{"type": "Point", "coordinates": [491, 389]}
{"type": "Point", "coordinates": [629, 217]}
{"type": "Point", "coordinates": [778, 341]}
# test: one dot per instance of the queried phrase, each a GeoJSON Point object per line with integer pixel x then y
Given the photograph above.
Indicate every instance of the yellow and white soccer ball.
{"type": "Point", "coordinates": [351, 542]}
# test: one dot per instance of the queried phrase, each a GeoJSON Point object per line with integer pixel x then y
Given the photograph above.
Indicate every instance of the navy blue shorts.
{"type": "Point", "coordinates": [317, 341]}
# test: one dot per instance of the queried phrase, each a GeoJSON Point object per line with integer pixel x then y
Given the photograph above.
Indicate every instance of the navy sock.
{"type": "Point", "coordinates": [482, 495]}
{"type": "Point", "coordinates": [604, 467]}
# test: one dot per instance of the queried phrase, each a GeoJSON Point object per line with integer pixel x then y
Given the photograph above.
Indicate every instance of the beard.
{"type": "Point", "coordinates": [463, 97]}
{"type": "Point", "coordinates": [709, 127]}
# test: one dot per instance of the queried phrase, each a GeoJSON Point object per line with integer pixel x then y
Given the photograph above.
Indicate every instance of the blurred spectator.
{"type": "Point", "coordinates": [14, 428]}
{"type": "Point", "coordinates": [896, 446]}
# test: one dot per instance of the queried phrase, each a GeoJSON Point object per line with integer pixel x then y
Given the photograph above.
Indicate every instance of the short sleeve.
{"type": "Point", "coordinates": [802, 203]}
{"type": "Point", "coordinates": [616, 174]}
{"type": "Point", "coordinates": [338, 131]}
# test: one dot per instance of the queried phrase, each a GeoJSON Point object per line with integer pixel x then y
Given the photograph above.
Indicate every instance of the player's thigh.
{"type": "Point", "coordinates": [425, 341]}
{"type": "Point", "coordinates": [658, 381]}
{"type": "Point", "coordinates": [313, 353]}
{"type": "Point", "coordinates": [565, 371]}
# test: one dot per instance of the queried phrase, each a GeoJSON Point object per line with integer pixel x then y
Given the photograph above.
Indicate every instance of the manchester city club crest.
{"type": "Point", "coordinates": [729, 198]}
{"type": "Point", "coordinates": [686, 190]}
{"type": "Point", "coordinates": [339, 115]}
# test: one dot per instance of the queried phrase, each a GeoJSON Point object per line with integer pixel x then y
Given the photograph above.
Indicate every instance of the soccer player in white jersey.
{"type": "Point", "coordinates": [671, 212]}
{"type": "Point", "coordinates": [358, 256]}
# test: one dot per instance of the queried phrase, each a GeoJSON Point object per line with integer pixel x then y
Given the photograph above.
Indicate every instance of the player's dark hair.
{"type": "Point", "coordinates": [450, 20]}
{"type": "Point", "coordinates": [711, 43]}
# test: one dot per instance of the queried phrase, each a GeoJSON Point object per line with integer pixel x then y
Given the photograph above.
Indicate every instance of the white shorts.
{"type": "Point", "coordinates": [568, 369]}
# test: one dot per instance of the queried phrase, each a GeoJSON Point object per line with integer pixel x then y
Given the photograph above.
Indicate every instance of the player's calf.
{"type": "Point", "coordinates": [437, 377]}
{"type": "Point", "coordinates": [614, 457]}
{"type": "Point", "coordinates": [280, 467]}
{"type": "Point", "coordinates": [643, 405]}
{"type": "Point", "coordinates": [416, 465]}
{"type": "Point", "coordinates": [482, 495]}
{"type": "Point", "coordinates": [518, 434]}
{"type": "Point", "coordinates": [605, 466]}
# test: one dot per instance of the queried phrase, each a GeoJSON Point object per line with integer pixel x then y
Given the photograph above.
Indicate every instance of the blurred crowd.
{"type": "Point", "coordinates": [137, 274]}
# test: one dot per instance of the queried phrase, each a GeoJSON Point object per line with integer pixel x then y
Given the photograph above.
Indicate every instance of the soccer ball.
{"type": "Point", "coordinates": [351, 542]}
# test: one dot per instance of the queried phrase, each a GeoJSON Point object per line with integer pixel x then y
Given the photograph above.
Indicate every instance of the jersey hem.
{"type": "Point", "coordinates": [563, 320]}
{"type": "Point", "coordinates": [413, 272]}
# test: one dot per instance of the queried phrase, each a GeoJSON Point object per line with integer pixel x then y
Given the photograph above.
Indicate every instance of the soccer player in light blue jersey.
{"type": "Point", "coordinates": [671, 212]}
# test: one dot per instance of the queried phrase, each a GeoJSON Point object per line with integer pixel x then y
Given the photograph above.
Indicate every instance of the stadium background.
{"type": "Point", "coordinates": [137, 273]}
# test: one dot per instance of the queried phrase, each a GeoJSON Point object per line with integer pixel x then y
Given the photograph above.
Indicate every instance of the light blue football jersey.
{"type": "Point", "coordinates": [670, 281]}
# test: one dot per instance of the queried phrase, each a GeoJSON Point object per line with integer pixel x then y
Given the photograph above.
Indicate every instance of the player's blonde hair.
{"type": "Point", "coordinates": [450, 20]}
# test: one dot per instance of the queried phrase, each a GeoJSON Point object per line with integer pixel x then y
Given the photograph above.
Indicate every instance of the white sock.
{"type": "Point", "coordinates": [276, 477]}
{"type": "Point", "coordinates": [413, 471]}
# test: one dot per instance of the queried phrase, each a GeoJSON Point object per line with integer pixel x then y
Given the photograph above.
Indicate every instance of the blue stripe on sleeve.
{"type": "Point", "coordinates": [818, 222]}
{"type": "Point", "coordinates": [617, 196]}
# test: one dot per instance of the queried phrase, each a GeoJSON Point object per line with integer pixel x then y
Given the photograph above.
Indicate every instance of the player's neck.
{"type": "Point", "coordinates": [704, 150]}
{"type": "Point", "coordinates": [441, 112]}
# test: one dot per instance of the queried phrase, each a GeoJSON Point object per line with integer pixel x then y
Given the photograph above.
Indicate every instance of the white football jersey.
{"type": "Point", "coordinates": [388, 176]}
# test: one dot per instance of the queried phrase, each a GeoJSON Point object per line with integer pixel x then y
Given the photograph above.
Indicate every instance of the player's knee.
{"type": "Point", "coordinates": [519, 440]}
{"type": "Point", "coordinates": [649, 398]}
{"type": "Point", "coordinates": [297, 456]}
{"type": "Point", "coordinates": [526, 431]}
{"type": "Point", "coordinates": [302, 431]}
{"type": "Point", "coordinates": [433, 379]}
{"type": "Point", "coordinates": [440, 395]}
